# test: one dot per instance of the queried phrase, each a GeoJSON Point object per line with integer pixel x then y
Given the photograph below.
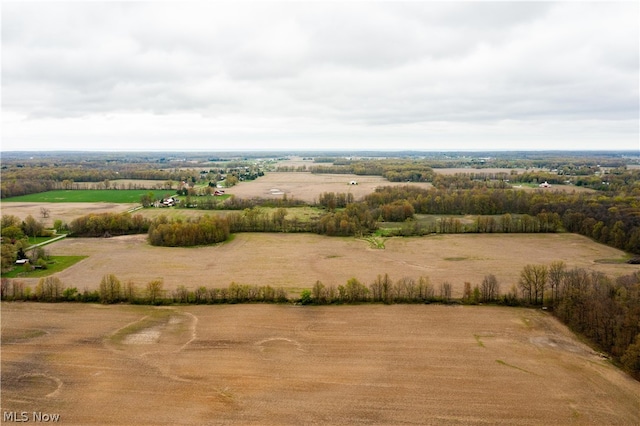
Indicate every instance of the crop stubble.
{"type": "Point", "coordinates": [295, 261]}
{"type": "Point", "coordinates": [270, 364]}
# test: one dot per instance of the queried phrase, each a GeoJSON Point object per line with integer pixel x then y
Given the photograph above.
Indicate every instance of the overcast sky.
{"type": "Point", "coordinates": [320, 75]}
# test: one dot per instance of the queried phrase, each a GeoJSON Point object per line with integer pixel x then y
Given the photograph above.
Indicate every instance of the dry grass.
{"type": "Point", "coordinates": [267, 364]}
{"type": "Point", "coordinates": [296, 261]}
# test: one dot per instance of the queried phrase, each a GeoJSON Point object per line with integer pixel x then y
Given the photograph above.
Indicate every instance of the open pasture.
{"type": "Point", "coordinates": [271, 364]}
{"type": "Point", "coordinates": [297, 261]}
{"type": "Point", "coordinates": [308, 186]}
{"type": "Point", "coordinates": [84, 196]}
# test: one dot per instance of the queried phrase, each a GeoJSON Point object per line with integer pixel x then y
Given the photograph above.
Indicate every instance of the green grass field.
{"type": "Point", "coordinates": [40, 240]}
{"type": "Point", "coordinates": [88, 196]}
{"type": "Point", "coordinates": [54, 264]}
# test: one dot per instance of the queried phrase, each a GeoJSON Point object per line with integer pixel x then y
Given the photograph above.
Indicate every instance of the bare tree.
{"type": "Point", "coordinates": [4, 288]}
{"type": "Point", "coordinates": [110, 289]}
{"type": "Point", "coordinates": [556, 275]}
{"type": "Point", "coordinates": [466, 295]}
{"type": "Point", "coordinates": [318, 292]}
{"type": "Point", "coordinates": [533, 280]}
{"type": "Point", "coordinates": [489, 289]}
{"type": "Point", "coordinates": [49, 289]}
{"type": "Point", "coordinates": [130, 291]}
{"type": "Point", "coordinates": [44, 212]}
{"type": "Point", "coordinates": [155, 289]}
{"type": "Point", "coordinates": [181, 295]}
{"type": "Point", "coordinates": [425, 289]}
{"type": "Point", "coordinates": [200, 294]}
{"type": "Point", "coordinates": [445, 291]}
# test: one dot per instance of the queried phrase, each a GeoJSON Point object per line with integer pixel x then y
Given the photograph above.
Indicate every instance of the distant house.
{"type": "Point", "coordinates": [545, 184]}
{"type": "Point", "coordinates": [169, 202]}
{"type": "Point", "coordinates": [353, 182]}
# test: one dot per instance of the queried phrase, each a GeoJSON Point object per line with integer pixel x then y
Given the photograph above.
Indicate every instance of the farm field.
{"type": "Point", "coordinates": [297, 261]}
{"type": "Point", "coordinates": [307, 186]}
{"type": "Point", "coordinates": [85, 196]}
{"type": "Point", "coordinates": [481, 170]}
{"type": "Point", "coordinates": [283, 364]}
{"type": "Point", "coordinates": [153, 185]}
{"type": "Point", "coordinates": [63, 211]}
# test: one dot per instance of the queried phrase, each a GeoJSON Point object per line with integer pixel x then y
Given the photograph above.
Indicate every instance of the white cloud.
{"type": "Point", "coordinates": [415, 75]}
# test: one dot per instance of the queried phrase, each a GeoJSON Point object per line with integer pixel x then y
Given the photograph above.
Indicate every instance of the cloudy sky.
{"type": "Point", "coordinates": [320, 75]}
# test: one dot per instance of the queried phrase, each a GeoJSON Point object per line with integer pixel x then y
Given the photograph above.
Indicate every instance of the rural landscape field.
{"type": "Point", "coordinates": [266, 364]}
{"type": "Point", "coordinates": [297, 261]}
{"type": "Point", "coordinates": [320, 213]}
{"type": "Point", "coordinates": [456, 356]}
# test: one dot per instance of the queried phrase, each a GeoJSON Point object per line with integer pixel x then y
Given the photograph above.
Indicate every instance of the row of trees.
{"type": "Point", "coordinates": [612, 220]}
{"type": "Point", "coordinates": [112, 290]}
{"type": "Point", "coordinates": [190, 232]}
{"type": "Point", "coordinates": [107, 224]}
{"type": "Point", "coordinates": [603, 309]}
{"type": "Point", "coordinates": [393, 170]}
{"type": "Point", "coordinates": [609, 220]}
{"type": "Point", "coordinates": [15, 240]}
{"type": "Point", "coordinates": [27, 176]}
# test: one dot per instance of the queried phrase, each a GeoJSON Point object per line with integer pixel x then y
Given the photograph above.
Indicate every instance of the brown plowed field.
{"type": "Point", "coordinates": [270, 364]}
{"type": "Point", "coordinates": [307, 186]}
{"type": "Point", "coordinates": [297, 261]}
{"type": "Point", "coordinates": [65, 212]}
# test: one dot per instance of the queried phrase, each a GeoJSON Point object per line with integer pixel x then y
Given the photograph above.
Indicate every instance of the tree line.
{"type": "Point", "coordinates": [609, 219]}
{"type": "Point", "coordinates": [15, 240]}
{"type": "Point", "coordinates": [603, 309]}
{"type": "Point", "coordinates": [108, 224]}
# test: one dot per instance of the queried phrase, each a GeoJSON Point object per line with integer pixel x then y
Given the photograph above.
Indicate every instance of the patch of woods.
{"type": "Point", "coordinates": [29, 176]}
{"type": "Point", "coordinates": [574, 169]}
{"type": "Point", "coordinates": [608, 219]}
{"type": "Point", "coordinates": [604, 310]}
{"type": "Point", "coordinates": [15, 240]}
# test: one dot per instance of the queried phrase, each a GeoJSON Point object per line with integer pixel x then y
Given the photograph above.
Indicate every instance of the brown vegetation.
{"type": "Point", "coordinates": [308, 187]}
{"type": "Point", "coordinates": [269, 364]}
{"type": "Point", "coordinates": [297, 261]}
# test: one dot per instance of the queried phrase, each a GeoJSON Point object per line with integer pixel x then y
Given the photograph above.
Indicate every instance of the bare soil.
{"type": "Point", "coordinates": [307, 186]}
{"type": "Point", "coordinates": [271, 364]}
{"type": "Point", "coordinates": [63, 211]}
{"type": "Point", "coordinates": [297, 261]}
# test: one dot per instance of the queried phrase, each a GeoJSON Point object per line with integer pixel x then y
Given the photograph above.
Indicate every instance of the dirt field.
{"type": "Point", "coordinates": [296, 261]}
{"type": "Point", "coordinates": [63, 211]}
{"type": "Point", "coordinates": [268, 364]}
{"type": "Point", "coordinates": [468, 170]}
{"type": "Point", "coordinates": [307, 186]}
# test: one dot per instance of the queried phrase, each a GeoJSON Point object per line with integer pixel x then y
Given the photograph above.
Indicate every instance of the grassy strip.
{"type": "Point", "coordinates": [87, 196]}
{"type": "Point", "coordinates": [154, 318]}
{"type": "Point", "coordinates": [40, 240]}
{"type": "Point", "coordinates": [54, 264]}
